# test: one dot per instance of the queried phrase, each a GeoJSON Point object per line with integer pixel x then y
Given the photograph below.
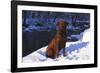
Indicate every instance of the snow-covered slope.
{"type": "Point", "coordinates": [75, 51]}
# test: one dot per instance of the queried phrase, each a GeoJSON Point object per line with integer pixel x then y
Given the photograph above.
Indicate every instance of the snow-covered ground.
{"type": "Point", "coordinates": [75, 51]}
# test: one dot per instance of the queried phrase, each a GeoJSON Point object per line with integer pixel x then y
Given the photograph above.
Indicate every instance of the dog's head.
{"type": "Point", "coordinates": [61, 25]}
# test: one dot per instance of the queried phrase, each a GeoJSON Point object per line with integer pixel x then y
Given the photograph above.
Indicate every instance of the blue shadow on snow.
{"type": "Point", "coordinates": [77, 46]}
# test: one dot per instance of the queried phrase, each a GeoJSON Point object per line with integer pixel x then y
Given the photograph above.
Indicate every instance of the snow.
{"type": "Point", "coordinates": [78, 50]}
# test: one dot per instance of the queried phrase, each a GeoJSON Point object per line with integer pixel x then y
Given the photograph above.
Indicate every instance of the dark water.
{"type": "Point", "coordinates": [35, 40]}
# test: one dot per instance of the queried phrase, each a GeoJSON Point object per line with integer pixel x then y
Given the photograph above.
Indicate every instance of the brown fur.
{"type": "Point", "coordinates": [58, 42]}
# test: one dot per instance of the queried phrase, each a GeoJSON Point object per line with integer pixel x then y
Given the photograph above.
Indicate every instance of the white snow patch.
{"type": "Point", "coordinates": [77, 53]}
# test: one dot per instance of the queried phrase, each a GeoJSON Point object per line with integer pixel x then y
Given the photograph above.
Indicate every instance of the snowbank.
{"type": "Point", "coordinates": [75, 51]}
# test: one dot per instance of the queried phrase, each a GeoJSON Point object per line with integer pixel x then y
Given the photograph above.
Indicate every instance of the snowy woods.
{"type": "Point", "coordinates": [39, 27]}
{"type": "Point", "coordinates": [43, 20]}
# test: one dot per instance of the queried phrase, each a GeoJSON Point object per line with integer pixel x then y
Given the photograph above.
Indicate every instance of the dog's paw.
{"type": "Point", "coordinates": [65, 54]}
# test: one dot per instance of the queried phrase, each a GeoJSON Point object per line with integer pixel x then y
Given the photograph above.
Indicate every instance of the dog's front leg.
{"type": "Point", "coordinates": [56, 53]}
{"type": "Point", "coordinates": [64, 53]}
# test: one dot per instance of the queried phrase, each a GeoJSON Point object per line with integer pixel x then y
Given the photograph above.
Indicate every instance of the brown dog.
{"type": "Point", "coordinates": [58, 42]}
